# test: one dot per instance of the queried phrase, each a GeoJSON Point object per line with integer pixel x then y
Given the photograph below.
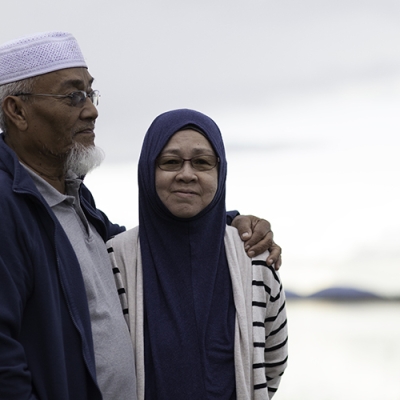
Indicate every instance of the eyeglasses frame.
{"type": "Point", "coordinates": [94, 94]}
{"type": "Point", "coordinates": [190, 160]}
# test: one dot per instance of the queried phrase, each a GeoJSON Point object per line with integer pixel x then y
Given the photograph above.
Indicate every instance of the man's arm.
{"type": "Point", "coordinates": [257, 237]}
{"type": "Point", "coordinates": [15, 376]}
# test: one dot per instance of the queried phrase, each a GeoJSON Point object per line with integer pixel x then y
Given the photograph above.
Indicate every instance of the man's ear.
{"type": "Point", "coordinates": [15, 110]}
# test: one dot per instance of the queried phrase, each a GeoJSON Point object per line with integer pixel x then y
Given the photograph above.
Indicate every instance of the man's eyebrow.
{"type": "Point", "coordinates": [76, 82]}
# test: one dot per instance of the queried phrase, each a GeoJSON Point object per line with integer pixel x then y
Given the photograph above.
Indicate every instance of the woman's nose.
{"type": "Point", "coordinates": [187, 172]}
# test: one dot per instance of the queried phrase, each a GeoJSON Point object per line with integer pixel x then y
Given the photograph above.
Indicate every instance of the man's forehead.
{"type": "Point", "coordinates": [67, 78]}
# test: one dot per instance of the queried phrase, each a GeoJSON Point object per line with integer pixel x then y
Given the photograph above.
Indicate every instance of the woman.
{"type": "Point", "coordinates": [206, 321]}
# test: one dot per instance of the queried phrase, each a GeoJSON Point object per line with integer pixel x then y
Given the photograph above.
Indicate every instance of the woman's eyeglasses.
{"type": "Point", "coordinates": [175, 163]}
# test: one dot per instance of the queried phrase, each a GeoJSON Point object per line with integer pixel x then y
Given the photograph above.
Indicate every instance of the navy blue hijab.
{"type": "Point", "coordinates": [188, 300]}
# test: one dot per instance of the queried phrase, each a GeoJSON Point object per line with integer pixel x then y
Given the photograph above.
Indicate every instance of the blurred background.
{"type": "Point", "coordinates": [307, 96]}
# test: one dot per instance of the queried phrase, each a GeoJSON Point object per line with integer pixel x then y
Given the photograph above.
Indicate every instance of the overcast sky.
{"type": "Point", "coordinates": [240, 59]}
{"type": "Point", "coordinates": [306, 93]}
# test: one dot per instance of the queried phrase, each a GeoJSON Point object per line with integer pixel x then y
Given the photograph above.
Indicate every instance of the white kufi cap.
{"type": "Point", "coordinates": [38, 54]}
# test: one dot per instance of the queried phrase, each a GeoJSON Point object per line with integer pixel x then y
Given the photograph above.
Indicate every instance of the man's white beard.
{"type": "Point", "coordinates": [83, 159]}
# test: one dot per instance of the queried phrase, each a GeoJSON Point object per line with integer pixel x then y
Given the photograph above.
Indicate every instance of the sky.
{"type": "Point", "coordinates": [307, 96]}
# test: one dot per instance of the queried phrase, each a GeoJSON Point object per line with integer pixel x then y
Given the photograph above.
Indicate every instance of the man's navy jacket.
{"type": "Point", "coordinates": [46, 347]}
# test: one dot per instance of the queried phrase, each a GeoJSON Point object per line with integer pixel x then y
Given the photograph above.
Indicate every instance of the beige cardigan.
{"type": "Point", "coordinates": [260, 330]}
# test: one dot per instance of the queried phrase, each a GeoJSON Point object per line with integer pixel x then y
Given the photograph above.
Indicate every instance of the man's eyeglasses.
{"type": "Point", "coordinates": [77, 98]}
{"type": "Point", "coordinates": [175, 163]}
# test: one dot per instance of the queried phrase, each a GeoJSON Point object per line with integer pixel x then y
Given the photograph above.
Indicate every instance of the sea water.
{"type": "Point", "coordinates": [342, 351]}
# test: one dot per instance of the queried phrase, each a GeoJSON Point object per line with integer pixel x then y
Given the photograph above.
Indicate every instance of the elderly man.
{"type": "Point", "coordinates": [62, 331]}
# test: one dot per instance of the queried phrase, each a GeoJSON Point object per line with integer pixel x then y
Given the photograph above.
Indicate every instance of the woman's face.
{"type": "Point", "coordinates": [187, 191]}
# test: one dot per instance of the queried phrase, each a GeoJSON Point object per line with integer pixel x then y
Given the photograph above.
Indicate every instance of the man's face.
{"type": "Point", "coordinates": [54, 125]}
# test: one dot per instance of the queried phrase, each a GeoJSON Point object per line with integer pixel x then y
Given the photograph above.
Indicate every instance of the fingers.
{"type": "Point", "coordinates": [275, 256]}
{"type": "Point", "coordinates": [243, 224]}
{"type": "Point", "coordinates": [260, 247]}
{"type": "Point", "coordinates": [258, 238]}
{"type": "Point", "coordinates": [246, 224]}
{"type": "Point", "coordinates": [275, 251]}
{"type": "Point", "coordinates": [262, 236]}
